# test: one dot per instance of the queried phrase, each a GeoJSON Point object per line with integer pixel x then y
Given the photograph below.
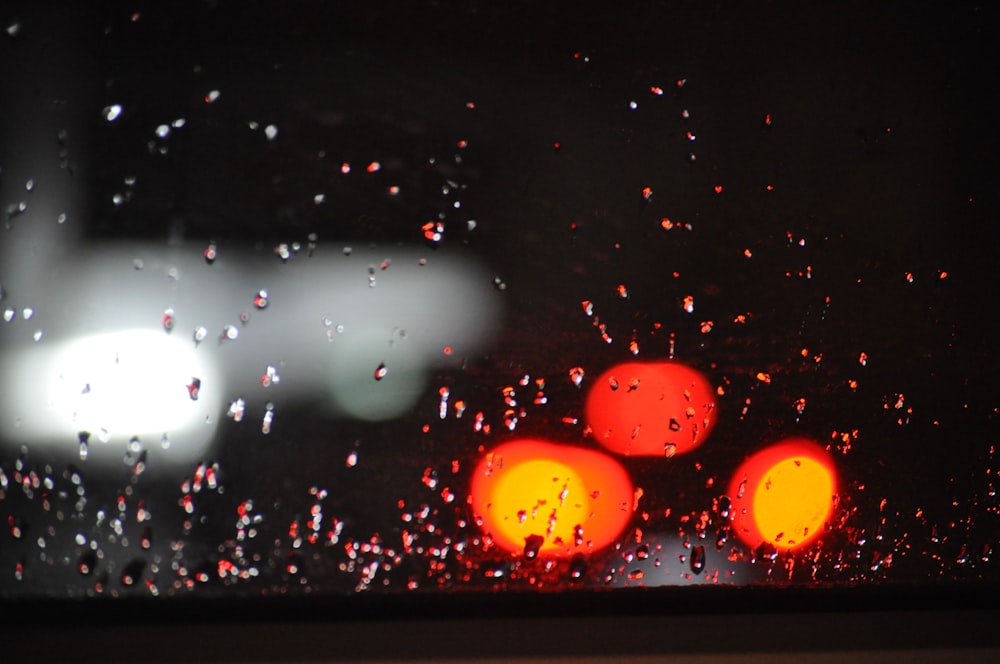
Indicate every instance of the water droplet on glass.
{"type": "Point", "coordinates": [168, 320]}
{"type": "Point", "coordinates": [236, 410]}
{"type": "Point", "coordinates": [725, 506]}
{"type": "Point", "coordinates": [381, 371]}
{"type": "Point", "coordinates": [165, 442]}
{"type": "Point", "coordinates": [132, 573]}
{"type": "Point", "coordinates": [37, 336]}
{"type": "Point", "coordinates": [212, 97]}
{"type": "Point", "coordinates": [433, 231]}
{"type": "Point", "coordinates": [163, 131]}
{"type": "Point", "coordinates": [200, 333]}
{"type": "Point", "coordinates": [230, 333]}
{"type": "Point", "coordinates": [8, 314]}
{"type": "Point", "coordinates": [352, 460]}
{"type": "Point", "coordinates": [111, 113]}
{"type": "Point", "coordinates": [698, 559]}
{"type": "Point", "coordinates": [178, 123]}
{"type": "Point", "coordinates": [194, 388]}
{"type": "Point", "coordinates": [270, 377]}
{"type": "Point", "coordinates": [265, 426]}
{"type": "Point", "coordinates": [87, 562]}
{"type": "Point", "coordinates": [669, 450]}
{"type": "Point", "coordinates": [532, 545]}
{"type": "Point", "coordinates": [260, 300]}
{"type": "Point", "coordinates": [271, 132]}
{"type": "Point", "coordinates": [61, 218]}
{"type": "Point", "coordinates": [577, 566]}
{"type": "Point", "coordinates": [211, 253]}
{"type": "Point", "coordinates": [576, 375]}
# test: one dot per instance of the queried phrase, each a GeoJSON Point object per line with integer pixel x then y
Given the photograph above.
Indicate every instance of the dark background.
{"type": "Point", "coordinates": [881, 150]}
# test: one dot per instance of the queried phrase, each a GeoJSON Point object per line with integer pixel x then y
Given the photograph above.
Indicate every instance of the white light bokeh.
{"type": "Point", "coordinates": [113, 386]}
{"type": "Point", "coordinates": [106, 363]}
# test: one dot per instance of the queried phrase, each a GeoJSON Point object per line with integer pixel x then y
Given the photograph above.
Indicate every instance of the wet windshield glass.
{"type": "Point", "coordinates": [334, 299]}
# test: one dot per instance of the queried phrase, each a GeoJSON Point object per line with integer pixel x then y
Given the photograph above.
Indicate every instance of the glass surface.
{"type": "Point", "coordinates": [334, 299]}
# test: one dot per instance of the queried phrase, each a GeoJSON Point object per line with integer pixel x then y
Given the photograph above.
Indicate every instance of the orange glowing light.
{"type": "Point", "coordinates": [783, 495]}
{"type": "Point", "coordinates": [538, 498]}
{"type": "Point", "coordinates": [651, 409]}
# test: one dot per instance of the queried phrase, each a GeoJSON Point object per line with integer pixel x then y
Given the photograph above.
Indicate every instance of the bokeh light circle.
{"type": "Point", "coordinates": [784, 494]}
{"type": "Point", "coordinates": [651, 409]}
{"type": "Point", "coordinates": [564, 499]}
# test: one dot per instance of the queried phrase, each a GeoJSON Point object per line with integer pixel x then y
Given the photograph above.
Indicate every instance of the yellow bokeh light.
{"type": "Point", "coordinates": [792, 501]}
{"type": "Point", "coordinates": [540, 497]}
{"type": "Point", "coordinates": [536, 498]}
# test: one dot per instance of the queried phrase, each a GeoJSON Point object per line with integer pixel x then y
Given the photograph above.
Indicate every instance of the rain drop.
{"type": "Point", "coordinates": [265, 426]}
{"type": "Point", "coordinates": [698, 559]}
{"type": "Point", "coordinates": [381, 371]}
{"type": "Point", "coordinates": [112, 112]}
{"type": "Point", "coordinates": [577, 566]}
{"type": "Point", "coordinates": [532, 546]}
{"type": "Point", "coordinates": [236, 410]}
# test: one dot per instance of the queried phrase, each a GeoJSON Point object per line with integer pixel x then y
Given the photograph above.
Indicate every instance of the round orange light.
{"type": "Point", "coordinates": [539, 498]}
{"type": "Point", "coordinates": [783, 495]}
{"type": "Point", "coordinates": [651, 409]}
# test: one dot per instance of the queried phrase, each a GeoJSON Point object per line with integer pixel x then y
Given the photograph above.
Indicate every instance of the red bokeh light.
{"type": "Point", "coordinates": [651, 409]}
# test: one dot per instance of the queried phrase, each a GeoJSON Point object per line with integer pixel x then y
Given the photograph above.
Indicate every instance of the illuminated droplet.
{"type": "Point", "coordinates": [111, 113]}
{"type": "Point", "coordinates": [237, 409]}
{"type": "Point", "coordinates": [381, 371]}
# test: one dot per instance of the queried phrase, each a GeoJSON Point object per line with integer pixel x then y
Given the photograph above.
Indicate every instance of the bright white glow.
{"type": "Point", "coordinates": [114, 386]}
{"type": "Point", "coordinates": [109, 365]}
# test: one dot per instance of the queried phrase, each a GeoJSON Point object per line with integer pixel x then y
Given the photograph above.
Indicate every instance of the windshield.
{"type": "Point", "coordinates": [336, 299]}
